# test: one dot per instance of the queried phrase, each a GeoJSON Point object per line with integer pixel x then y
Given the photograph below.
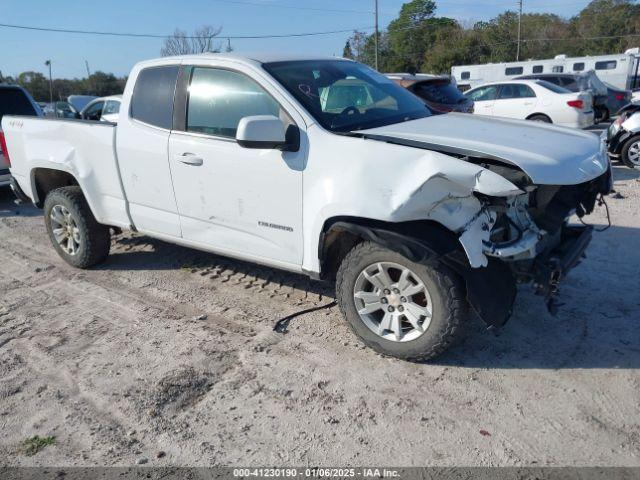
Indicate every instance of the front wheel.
{"type": "Point", "coordinates": [630, 153]}
{"type": "Point", "coordinates": [397, 307]}
{"type": "Point", "coordinates": [74, 232]}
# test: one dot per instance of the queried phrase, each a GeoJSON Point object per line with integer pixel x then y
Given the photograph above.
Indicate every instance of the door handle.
{"type": "Point", "coordinates": [189, 159]}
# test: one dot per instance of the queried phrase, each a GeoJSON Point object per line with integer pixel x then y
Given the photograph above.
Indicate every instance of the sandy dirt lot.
{"type": "Point", "coordinates": [164, 349]}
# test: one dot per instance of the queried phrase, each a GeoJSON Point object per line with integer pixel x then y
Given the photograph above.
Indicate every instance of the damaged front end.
{"type": "Point", "coordinates": [495, 190]}
{"type": "Point", "coordinates": [530, 232]}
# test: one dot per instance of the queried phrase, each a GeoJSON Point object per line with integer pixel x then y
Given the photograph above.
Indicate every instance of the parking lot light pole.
{"type": "Point", "coordinates": [519, 29]}
{"type": "Point", "coordinates": [48, 64]}
{"type": "Point", "coordinates": [376, 35]}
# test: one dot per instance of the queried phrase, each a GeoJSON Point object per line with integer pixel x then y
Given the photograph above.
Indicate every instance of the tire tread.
{"type": "Point", "coordinates": [96, 236]}
{"type": "Point", "coordinates": [456, 304]}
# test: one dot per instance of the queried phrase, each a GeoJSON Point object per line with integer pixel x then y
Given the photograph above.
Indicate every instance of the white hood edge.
{"type": "Point", "coordinates": [548, 154]}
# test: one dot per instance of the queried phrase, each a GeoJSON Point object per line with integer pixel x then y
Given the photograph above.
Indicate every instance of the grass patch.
{"type": "Point", "coordinates": [33, 445]}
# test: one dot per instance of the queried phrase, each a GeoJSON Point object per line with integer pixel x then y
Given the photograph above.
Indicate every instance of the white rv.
{"type": "Point", "coordinates": [620, 70]}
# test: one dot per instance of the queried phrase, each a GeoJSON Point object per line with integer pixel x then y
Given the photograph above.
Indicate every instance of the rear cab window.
{"type": "Point", "coordinates": [152, 99]}
{"type": "Point", "coordinates": [13, 101]}
{"type": "Point", "coordinates": [554, 88]}
{"type": "Point", "coordinates": [439, 91]}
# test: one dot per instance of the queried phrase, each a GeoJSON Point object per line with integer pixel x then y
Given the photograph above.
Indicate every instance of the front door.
{"type": "Point", "coordinates": [230, 198]}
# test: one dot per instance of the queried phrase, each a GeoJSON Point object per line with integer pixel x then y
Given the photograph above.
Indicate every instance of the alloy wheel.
{"type": "Point", "coordinates": [633, 153]}
{"type": "Point", "coordinates": [393, 302]}
{"type": "Point", "coordinates": [65, 229]}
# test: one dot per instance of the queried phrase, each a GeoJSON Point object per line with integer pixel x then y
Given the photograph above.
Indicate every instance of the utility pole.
{"type": "Point", "coordinates": [376, 35]}
{"type": "Point", "coordinates": [86, 63]}
{"type": "Point", "coordinates": [519, 29]}
{"type": "Point", "coordinates": [48, 64]}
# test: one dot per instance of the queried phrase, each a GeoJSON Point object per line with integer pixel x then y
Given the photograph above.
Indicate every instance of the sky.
{"type": "Point", "coordinates": [24, 50]}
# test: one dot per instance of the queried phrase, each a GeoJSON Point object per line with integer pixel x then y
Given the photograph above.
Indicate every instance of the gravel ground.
{"type": "Point", "coordinates": [166, 356]}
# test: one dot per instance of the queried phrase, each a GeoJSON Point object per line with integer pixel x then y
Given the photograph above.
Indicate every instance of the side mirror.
{"type": "Point", "coordinates": [261, 131]}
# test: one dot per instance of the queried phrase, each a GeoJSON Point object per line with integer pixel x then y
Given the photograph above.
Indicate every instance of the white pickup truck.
{"type": "Point", "coordinates": [325, 167]}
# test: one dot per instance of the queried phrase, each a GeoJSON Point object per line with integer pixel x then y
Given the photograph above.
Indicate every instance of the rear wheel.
{"type": "Point", "coordinates": [538, 117]}
{"type": "Point", "coordinates": [397, 307]}
{"type": "Point", "coordinates": [630, 153]}
{"type": "Point", "coordinates": [74, 232]}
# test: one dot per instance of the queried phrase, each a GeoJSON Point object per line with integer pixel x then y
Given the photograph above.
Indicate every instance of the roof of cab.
{"type": "Point", "coordinates": [259, 58]}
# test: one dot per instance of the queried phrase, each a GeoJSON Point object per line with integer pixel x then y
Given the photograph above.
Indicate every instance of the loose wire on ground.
{"type": "Point", "coordinates": [282, 324]}
{"type": "Point", "coordinates": [601, 201]}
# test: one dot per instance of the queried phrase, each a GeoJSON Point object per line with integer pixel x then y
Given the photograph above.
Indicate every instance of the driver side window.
{"type": "Point", "coordinates": [219, 99]}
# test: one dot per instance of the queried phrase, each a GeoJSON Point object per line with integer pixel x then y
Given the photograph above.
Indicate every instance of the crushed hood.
{"type": "Point", "coordinates": [548, 154]}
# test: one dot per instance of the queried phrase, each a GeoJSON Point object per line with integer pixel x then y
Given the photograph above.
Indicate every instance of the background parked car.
{"type": "Point", "coordinates": [616, 98]}
{"type": "Point", "coordinates": [60, 109]}
{"type": "Point", "coordinates": [104, 109]}
{"type": "Point", "coordinates": [579, 82]}
{"type": "Point", "coordinates": [623, 136]}
{"type": "Point", "coordinates": [533, 100]}
{"type": "Point", "coordinates": [14, 100]}
{"type": "Point", "coordinates": [80, 101]}
{"type": "Point", "coordinates": [440, 93]}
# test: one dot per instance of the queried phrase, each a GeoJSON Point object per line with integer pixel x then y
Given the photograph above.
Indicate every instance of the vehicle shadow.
{"type": "Point", "coordinates": [597, 327]}
{"type": "Point", "coordinates": [8, 207]}
{"type": "Point", "coordinates": [622, 172]}
{"type": "Point", "coordinates": [145, 253]}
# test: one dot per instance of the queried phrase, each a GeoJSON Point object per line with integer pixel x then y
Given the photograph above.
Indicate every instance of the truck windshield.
{"type": "Point", "coordinates": [344, 96]}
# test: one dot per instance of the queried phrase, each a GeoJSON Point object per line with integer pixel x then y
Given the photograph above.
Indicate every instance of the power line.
{"type": "Point", "coordinates": [292, 7]}
{"type": "Point", "coordinates": [147, 35]}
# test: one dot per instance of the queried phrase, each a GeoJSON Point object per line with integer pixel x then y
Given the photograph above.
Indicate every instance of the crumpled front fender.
{"type": "Point", "coordinates": [491, 291]}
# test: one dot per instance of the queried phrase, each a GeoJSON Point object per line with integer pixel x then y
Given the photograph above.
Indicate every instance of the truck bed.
{"type": "Point", "coordinates": [84, 149]}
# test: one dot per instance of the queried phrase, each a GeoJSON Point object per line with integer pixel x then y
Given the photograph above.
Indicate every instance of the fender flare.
{"type": "Point", "coordinates": [490, 290]}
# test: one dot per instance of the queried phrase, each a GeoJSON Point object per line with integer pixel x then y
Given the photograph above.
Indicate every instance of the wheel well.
{"type": "Point", "coordinates": [341, 234]}
{"type": "Point", "coordinates": [47, 179]}
{"type": "Point", "coordinates": [539, 115]}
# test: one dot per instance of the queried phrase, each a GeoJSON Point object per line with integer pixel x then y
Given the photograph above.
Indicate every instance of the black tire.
{"type": "Point", "coordinates": [606, 115]}
{"type": "Point", "coordinates": [539, 117]}
{"type": "Point", "coordinates": [449, 309]}
{"type": "Point", "coordinates": [94, 238]}
{"type": "Point", "coordinates": [600, 113]}
{"type": "Point", "coordinates": [624, 152]}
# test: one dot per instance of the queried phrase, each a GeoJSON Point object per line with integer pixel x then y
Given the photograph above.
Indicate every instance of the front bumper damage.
{"type": "Point", "coordinates": [551, 267]}
{"type": "Point", "coordinates": [531, 233]}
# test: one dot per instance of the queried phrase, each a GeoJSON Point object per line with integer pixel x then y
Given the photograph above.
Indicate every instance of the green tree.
{"type": "Point", "coordinates": [605, 19]}
{"type": "Point", "coordinates": [347, 52]}
{"type": "Point", "coordinates": [411, 34]}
